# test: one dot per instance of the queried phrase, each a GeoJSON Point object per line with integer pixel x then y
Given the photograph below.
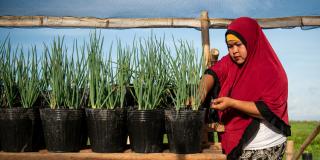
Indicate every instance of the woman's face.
{"type": "Point", "coordinates": [237, 51]}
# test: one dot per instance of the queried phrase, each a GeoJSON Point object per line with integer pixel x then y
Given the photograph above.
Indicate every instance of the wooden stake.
{"type": "Point", "coordinates": [205, 38]}
{"type": "Point", "coordinates": [289, 150]}
{"type": "Point", "coordinates": [214, 54]}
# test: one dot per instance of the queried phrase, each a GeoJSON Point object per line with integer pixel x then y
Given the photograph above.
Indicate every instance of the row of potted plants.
{"type": "Point", "coordinates": [20, 123]}
{"type": "Point", "coordinates": [143, 92]}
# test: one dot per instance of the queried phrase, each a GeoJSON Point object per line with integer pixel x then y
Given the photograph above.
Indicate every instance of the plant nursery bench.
{"type": "Point", "coordinates": [214, 152]}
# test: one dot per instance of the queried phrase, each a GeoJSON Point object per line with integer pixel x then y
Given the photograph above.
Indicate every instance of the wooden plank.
{"type": "Point", "coordinates": [311, 21]}
{"type": "Point", "coordinates": [284, 22]}
{"type": "Point", "coordinates": [212, 153]}
{"type": "Point", "coordinates": [120, 23]}
{"type": "Point", "coordinates": [219, 22]}
{"type": "Point", "coordinates": [90, 22]}
{"type": "Point", "coordinates": [110, 156]}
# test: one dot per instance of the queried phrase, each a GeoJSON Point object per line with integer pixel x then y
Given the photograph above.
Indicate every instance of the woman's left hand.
{"type": "Point", "coordinates": [222, 103]}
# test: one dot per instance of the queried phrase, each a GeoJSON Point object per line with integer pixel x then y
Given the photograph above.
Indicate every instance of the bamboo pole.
{"type": "Point", "coordinates": [311, 21]}
{"type": "Point", "coordinates": [305, 144]}
{"type": "Point", "coordinates": [121, 23]}
{"type": "Point", "coordinates": [289, 150]}
{"type": "Point", "coordinates": [205, 38]}
{"type": "Point", "coordinates": [90, 22]}
{"type": "Point", "coordinates": [214, 54]}
{"type": "Point", "coordinates": [204, 18]}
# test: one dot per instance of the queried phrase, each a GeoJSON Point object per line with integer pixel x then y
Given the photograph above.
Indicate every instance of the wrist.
{"type": "Point", "coordinates": [234, 103]}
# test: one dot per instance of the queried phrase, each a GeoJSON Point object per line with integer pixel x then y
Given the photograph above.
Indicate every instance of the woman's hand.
{"type": "Point", "coordinates": [222, 103]}
{"type": "Point", "coordinates": [248, 107]}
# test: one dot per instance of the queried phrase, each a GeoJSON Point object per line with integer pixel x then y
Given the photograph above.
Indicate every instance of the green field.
{"type": "Point", "coordinates": [300, 130]}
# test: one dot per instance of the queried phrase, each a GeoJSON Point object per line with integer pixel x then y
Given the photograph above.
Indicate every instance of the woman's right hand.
{"type": "Point", "coordinates": [222, 103]}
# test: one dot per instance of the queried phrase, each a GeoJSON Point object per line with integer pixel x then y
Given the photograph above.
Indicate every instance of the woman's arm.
{"type": "Point", "coordinates": [247, 107]}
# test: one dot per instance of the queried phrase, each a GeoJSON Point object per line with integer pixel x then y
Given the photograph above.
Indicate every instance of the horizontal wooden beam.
{"type": "Point", "coordinates": [214, 152]}
{"type": "Point", "coordinates": [121, 23]}
{"type": "Point", "coordinates": [46, 21]}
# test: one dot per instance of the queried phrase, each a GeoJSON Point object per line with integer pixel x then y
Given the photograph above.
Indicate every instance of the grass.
{"type": "Point", "coordinates": [123, 70]}
{"type": "Point", "coordinates": [57, 72]}
{"type": "Point", "coordinates": [28, 78]}
{"type": "Point", "coordinates": [148, 78]}
{"type": "Point", "coordinates": [8, 73]}
{"type": "Point", "coordinates": [96, 77]}
{"type": "Point", "coordinates": [76, 80]}
{"type": "Point", "coordinates": [186, 69]}
{"type": "Point", "coordinates": [300, 130]}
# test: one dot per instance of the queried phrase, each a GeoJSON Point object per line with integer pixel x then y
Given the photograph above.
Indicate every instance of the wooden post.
{"type": "Point", "coordinates": [214, 54]}
{"type": "Point", "coordinates": [289, 150]}
{"type": "Point", "coordinates": [205, 37]}
{"type": "Point", "coordinates": [204, 19]}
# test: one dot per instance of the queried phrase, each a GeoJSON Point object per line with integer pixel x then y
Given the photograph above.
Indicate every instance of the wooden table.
{"type": "Point", "coordinates": [212, 153]}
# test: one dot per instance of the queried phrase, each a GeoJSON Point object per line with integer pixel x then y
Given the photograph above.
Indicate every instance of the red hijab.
{"type": "Point", "coordinates": [260, 78]}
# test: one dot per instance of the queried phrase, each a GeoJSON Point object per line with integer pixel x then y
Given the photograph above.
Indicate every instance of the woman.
{"type": "Point", "coordinates": [253, 93]}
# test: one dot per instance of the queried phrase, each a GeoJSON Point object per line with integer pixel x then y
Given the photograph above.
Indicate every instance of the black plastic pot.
{"type": "Point", "coordinates": [307, 156]}
{"type": "Point", "coordinates": [84, 131]}
{"type": "Point", "coordinates": [16, 130]}
{"type": "Point", "coordinates": [184, 129]}
{"type": "Point", "coordinates": [146, 130]}
{"type": "Point", "coordinates": [37, 130]}
{"type": "Point", "coordinates": [107, 129]}
{"type": "Point", "coordinates": [62, 129]}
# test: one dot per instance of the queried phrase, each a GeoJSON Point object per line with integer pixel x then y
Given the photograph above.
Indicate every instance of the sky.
{"type": "Point", "coordinates": [297, 49]}
{"type": "Point", "coordinates": [161, 8]}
